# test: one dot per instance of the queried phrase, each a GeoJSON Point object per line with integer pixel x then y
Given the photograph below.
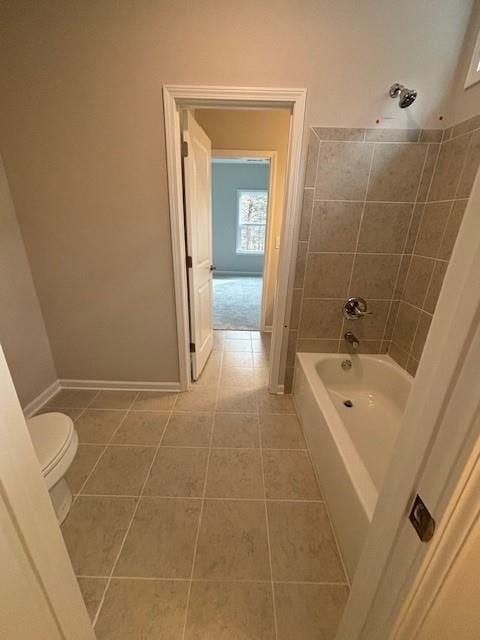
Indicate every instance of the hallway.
{"type": "Point", "coordinates": [237, 302]}
{"type": "Point", "coordinates": [197, 515]}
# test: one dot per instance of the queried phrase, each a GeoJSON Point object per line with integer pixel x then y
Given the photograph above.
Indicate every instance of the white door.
{"type": "Point", "coordinates": [197, 156]}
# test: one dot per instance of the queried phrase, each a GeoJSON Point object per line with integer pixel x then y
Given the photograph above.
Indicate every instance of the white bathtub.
{"type": "Point", "coordinates": [350, 447]}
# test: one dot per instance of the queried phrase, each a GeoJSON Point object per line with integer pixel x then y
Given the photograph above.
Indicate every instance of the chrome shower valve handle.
{"type": "Point", "coordinates": [355, 308]}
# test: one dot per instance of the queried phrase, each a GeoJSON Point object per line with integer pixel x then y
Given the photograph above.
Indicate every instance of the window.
{"type": "Point", "coordinates": [251, 220]}
{"type": "Point", "coordinates": [473, 75]}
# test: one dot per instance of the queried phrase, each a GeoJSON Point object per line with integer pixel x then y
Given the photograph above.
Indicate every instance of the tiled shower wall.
{"type": "Point", "coordinates": [363, 208]}
{"type": "Point", "coordinates": [438, 223]}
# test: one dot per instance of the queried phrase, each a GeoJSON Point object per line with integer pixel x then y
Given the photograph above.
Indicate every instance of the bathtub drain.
{"type": "Point", "coordinates": [348, 403]}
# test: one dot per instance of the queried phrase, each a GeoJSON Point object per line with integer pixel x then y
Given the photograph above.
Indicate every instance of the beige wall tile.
{"type": "Point", "coordinates": [300, 264]}
{"type": "Point", "coordinates": [343, 169]}
{"type": "Point", "coordinates": [309, 611]}
{"type": "Point", "coordinates": [421, 335]}
{"type": "Point", "coordinates": [471, 167]}
{"type": "Point", "coordinates": [366, 346]}
{"type": "Point", "coordinates": [321, 318]}
{"type": "Point", "coordinates": [340, 133]}
{"type": "Point", "coordinates": [414, 226]}
{"type": "Point", "coordinates": [306, 214]}
{"type": "Point", "coordinates": [396, 172]}
{"type": "Point", "coordinates": [412, 366]}
{"type": "Point", "coordinates": [328, 275]}
{"type": "Point", "coordinates": [312, 160]}
{"type": "Point", "coordinates": [402, 276]}
{"type": "Point", "coordinates": [392, 318]}
{"type": "Point", "coordinates": [466, 126]}
{"type": "Point", "coordinates": [427, 174]}
{"type": "Point", "coordinates": [370, 327]}
{"type": "Point", "coordinates": [384, 227]}
{"type": "Point", "coordinates": [335, 226]}
{"type": "Point", "coordinates": [435, 286]}
{"type": "Point", "coordinates": [317, 346]}
{"type": "Point", "coordinates": [399, 355]}
{"type": "Point", "coordinates": [449, 168]}
{"type": "Point", "coordinates": [392, 135]}
{"type": "Point", "coordinates": [406, 325]}
{"type": "Point", "coordinates": [431, 135]}
{"type": "Point", "coordinates": [451, 229]}
{"type": "Point", "coordinates": [374, 276]}
{"type": "Point", "coordinates": [431, 229]}
{"type": "Point", "coordinates": [291, 348]}
{"type": "Point", "coordinates": [296, 306]}
{"type": "Point", "coordinates": [418, 279]}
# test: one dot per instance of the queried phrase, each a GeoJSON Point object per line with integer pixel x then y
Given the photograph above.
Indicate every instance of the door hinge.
{"type": "Point", "coordinates": [184, 149]}
{"type": "Point", "coordinates": [189, 262]}
{"type": "Point", "coordinates": [422, 520]}
{"type": "Point", "coordinates": [192, 347]}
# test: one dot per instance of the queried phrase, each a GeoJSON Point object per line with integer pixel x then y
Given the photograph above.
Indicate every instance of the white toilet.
{"type": "Point", "coordinates": [55, 442]}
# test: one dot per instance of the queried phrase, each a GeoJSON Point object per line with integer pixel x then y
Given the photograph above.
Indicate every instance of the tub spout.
{"type": "Point", "coordinates": [352, 340]}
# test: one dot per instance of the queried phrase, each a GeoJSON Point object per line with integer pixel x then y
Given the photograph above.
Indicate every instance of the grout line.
{"type": "Point", "coordinates": [268, 533]}
{"type": "Point", "coordinates": [218, 580]}
{"type": "Point", "coordinates": [202, 507]}
{"type": "Point", "coordinates": [207, 498]}
{"type": "Point", "coordinates": [138, 500]}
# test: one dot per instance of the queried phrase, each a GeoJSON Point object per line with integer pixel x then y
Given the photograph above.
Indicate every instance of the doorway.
{"type": "Point", "coordinates": [241, 195]}
{"type": "Point", "coordinates": [194, 293]}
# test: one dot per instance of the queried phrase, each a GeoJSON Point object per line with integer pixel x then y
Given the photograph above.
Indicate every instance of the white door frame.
{"type": "Point", "coordinates": [175, 96]}
{"type": "Point", "coordinates": [438, 430]}
{"type": "Point", "coordinates": [270, 239]}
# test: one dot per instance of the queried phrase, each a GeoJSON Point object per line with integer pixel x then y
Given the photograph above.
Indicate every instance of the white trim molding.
{"type": "Point", "coordinates": [175, 96]}
{"type": "Point", "coordinates": [37, 403]}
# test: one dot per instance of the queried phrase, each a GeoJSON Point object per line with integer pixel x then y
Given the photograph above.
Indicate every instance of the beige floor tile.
{"type": "Point", "coordinates": [197, 399]}
{"type": "Point", "coordinates": [309, 611]}
{"type": "Point", "coordinates": [233, 541]}
{"type": "Point", "coordinates": [121, 471]}
{"type": "Point", "coordinates": [289, 475]}
{"type": "Point", "coordinates": [302, 544]}
{"type": "Point", "coordinates": [272, 403]}
{"type": "Point", "coordinates": [237, 359]}
{"type": "Point", "coordinates": [178, 472]}
{"type": "Point", "coordinates": [161, 541]}
{"type": "Point", "coordinates": [97, 427]}
{"type": "Point", "coordinates": [154, 401]}
{"type": "Point", "coordinates": [281, 432]}
{"type": "Point", "coordinates": [73, 398]}
{"type": "Point", "coordinates": [143, 610]}
{"type": "Point", "coordinates": [108, 399]}
{"type": "Point", "coordinates": [236, 430]}
{"type": "Point", "coordinates": [141, 427]}
{"type": "Point", "coordinates": [260, 360]}
{"type": "Point", "coordinates": [235, 473]}
{"type": "Point", "coordinates": [230, 611]}
{"type": "Point", "coordinates": [189, 430]}
{"type": "Point", "coordinates": [93, 533]}
{"type": "Point", "coordinates": [241, 378]}
{"type": "Point", "coordinates": [236, 335]}
{"type": "Point", "coordinates": [237, 400]}
{"type": "Point", "coordinates": [84, 461]}
{"type": "Point", "coordinates": [238, 345]}
{"type": "Point", "coordinates": [92, 591]}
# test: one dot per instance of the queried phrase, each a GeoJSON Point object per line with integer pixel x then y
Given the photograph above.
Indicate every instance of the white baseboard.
{"type": "Point", "coordinates": [127, 385]}
{"type": "Point", "coordinates": [63, 383]}
{"type": "Point", "coordinates": [38, 402]}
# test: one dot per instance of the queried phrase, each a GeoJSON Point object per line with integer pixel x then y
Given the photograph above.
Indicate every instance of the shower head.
{"type": "Point", "coordinates": [406, 96]}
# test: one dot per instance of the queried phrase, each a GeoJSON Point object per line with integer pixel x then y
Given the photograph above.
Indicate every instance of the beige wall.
{"type": "Point", "coordinates": [255, 130]}
{"type": "Point", "coordinates": [465, 103]}
{"type": "Point", "coordinates": [22, 331]}
{"type": "Point", "coordinates": [81, 131]}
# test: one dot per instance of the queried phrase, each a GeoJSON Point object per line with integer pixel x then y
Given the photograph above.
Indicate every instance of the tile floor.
{"type": "Point", "coordinates": [197, 516]}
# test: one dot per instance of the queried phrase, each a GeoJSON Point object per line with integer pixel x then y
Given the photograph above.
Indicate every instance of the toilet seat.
{"type": "Point", "coordinates": [55, 442]}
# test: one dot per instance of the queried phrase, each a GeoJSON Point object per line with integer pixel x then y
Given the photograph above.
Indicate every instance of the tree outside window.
{"type": "Point", "coordinates": [252, 207]}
